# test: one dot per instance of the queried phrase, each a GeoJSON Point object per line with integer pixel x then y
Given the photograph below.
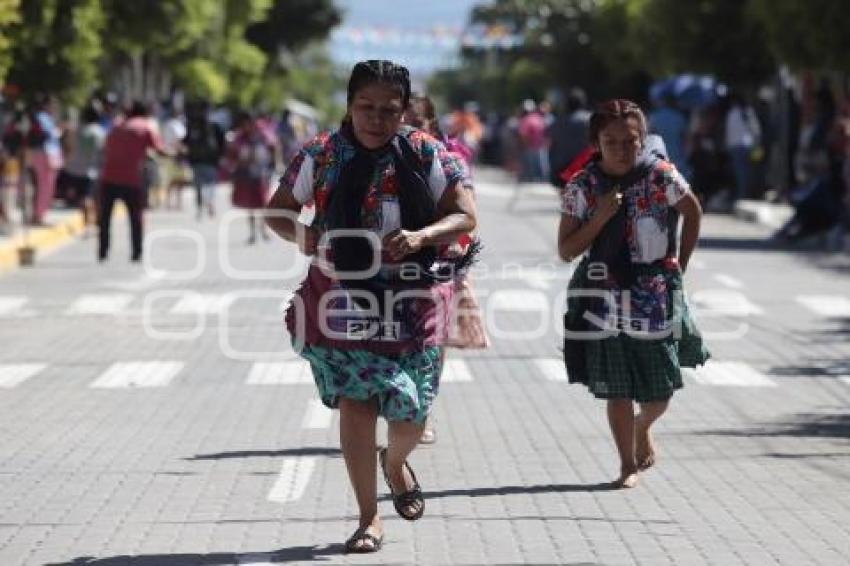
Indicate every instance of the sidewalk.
{"type": "Point", "coordinates": [61, 226]}
{"type": "Point", "coordinates": [771, 215]}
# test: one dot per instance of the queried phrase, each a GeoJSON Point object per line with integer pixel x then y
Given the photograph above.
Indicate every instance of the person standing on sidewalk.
{"type": "Point", "coordinates": [205, 145]}
{"type": "Point", "coordinates": [466, 330]}
{"type": "Point", "coordinates": [44, 156]}
{"type": "Point", "coordinates": [629, 340]}
{"type": "Point", "coordinates": [121, 178]}
{"type": "Point", "coordinates": [386, 197]}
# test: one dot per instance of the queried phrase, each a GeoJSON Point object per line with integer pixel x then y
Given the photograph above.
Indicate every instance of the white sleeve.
{"type": "Point", "coordinates": [437, 179]}
{"type": "Point", "coordinates": [302, 187]}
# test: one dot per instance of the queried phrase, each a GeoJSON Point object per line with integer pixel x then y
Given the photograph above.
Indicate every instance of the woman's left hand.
{"type": "Point", "coordinates": [402, 243]}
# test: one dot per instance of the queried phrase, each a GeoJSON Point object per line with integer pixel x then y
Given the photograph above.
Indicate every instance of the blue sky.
{"type": "Point", "coordinates": [406, 31]}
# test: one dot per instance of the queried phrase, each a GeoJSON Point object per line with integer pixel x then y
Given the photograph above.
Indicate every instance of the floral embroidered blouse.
{"type": "Point", "coordinates": [651, 224]}
{"type": "Point", "coordinates": [314, 171]}
{"type": "Point", "coordinates": [650, 217]}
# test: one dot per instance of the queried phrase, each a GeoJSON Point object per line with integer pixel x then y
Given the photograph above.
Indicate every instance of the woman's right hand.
{"type": "Point", "coordinates": [609, 204]}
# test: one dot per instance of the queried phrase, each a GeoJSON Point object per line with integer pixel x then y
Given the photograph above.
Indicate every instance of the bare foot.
{"type": "Point", "coordinates": [644, 446]}
{"type": "Point", "coordinates": [627, 480]}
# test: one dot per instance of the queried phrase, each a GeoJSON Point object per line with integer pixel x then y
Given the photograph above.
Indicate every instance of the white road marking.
{"type": "Point", "coordinates": [542, 284]}
{"type": "Point", "coordinates": [551, 368]}
{"type": "Point", "coordinates": [317, 416]}
{"type": "Point", "coordinates": [845, 379]}
{"type": "Point", "coordinates": [137, 374]}
{"type": "Point", "coordinates": [10, 306]}
{"type": "Point", "coordinates": [280, 373]}
{"type": "Point", "coordinates": [100, 304]}
{"type": "Point", "coordinates": [728, 281]}
{"type": "Point", "coordinates": [15, 374]}
{"type": "Point", "coordinates": [456, 371]}
{"type": "Point", "coordinates": [826, 305]}
{"type": "Point", "coordinates": [519, 301]}
{"type": "Point", "coordinates": [139, 284]}
{"type": "Point", "coordinates": [710, 302]}
{"type": "Point", "coordinates": [196, 303]}
{"type": "Point", "coordinates": [737, 374]}
{"type": "Point", "coordinates": [696, 264]}
{"type": "Point", "coordinates": [293, 479]}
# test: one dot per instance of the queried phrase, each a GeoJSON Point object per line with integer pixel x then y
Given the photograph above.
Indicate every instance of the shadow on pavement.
{"type": "Point", "coordinates": [307, 451]}
{"type": "Point", "coordinates": [804, 425]}
{"type": "Point", "coordinates": [293, 554]}
{"type": "Point", "coordinates": [519, 489]}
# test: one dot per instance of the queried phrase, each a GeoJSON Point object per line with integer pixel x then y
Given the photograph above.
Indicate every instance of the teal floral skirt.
{"type": "Point", "coordinates": [404, 386]}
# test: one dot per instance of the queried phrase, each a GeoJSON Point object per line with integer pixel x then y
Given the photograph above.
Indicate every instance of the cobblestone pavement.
{"type": "Point", "coordinates": [155, 415]}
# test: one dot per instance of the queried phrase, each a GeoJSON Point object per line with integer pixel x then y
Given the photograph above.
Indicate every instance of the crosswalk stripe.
{"type": "Point", "coordinates": [738, 374]}
{"type": "Point", "coordinates": [294, 476]}
{"type": "Point", "coordinates": [845, 379]}
{"type": "Point", "coordinates": [280, 373]}
{"type": "Point", "coordinates": [519, 300]}
{"type": "Point", "coordinates": [318, 416]}
{"type": "Point", "coordinates": [11, 305]}
{"type": "Point", "coordinates": [728, 281]}
{"type": "Point", "coordinates": [197, 303]}
{"type": "Point", "coordinates": [551, 368]}
{"type": "Point", "coordinates": [723, 302]}
{"type": "Point", "coordinates": [826, 305]}
{"type": "Point", "coordinates": [15, 374]}
{"type": "Point", "coordinates": [137, 374]}
{"type": "Point", "coordinates": [100, 304]}
{"type": "Point", "coordinates": [456, 371]}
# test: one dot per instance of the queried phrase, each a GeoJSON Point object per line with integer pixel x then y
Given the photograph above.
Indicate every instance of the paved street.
{"type": "Point", "coordinates": [154, 415]}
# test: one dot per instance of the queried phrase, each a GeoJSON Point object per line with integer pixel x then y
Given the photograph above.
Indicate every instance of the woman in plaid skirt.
{"type": "Point", "coordinates": [628, 332]}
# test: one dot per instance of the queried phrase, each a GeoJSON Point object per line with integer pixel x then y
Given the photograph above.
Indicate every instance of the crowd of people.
{"type": "Point", "coordinates": [143, 155]}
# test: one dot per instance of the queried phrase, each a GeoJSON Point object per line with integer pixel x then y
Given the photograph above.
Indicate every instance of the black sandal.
{"type": "Point", "coordinates": [410, 498]}
{"type": "Point", "coordinates": [360, 536]}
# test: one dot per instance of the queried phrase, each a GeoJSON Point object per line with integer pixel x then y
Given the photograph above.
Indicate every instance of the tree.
{"type": "Point", "coordinates": [290, 25]}
{"type": "Point", "coordinates": [719, 37]}
{"type": "Point", "coordinates": [807, 35]}
{"type": "Point", "coordinates": [9, 15]}
{"type": "Point", "coordinates": [148, 41]}
{"type": "Point", "coordinates": [57, 46]}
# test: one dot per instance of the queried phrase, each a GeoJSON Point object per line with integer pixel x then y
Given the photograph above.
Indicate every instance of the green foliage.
{"type": "Point", "coordinates": [201, 79]}
{"type": "Point", "coordinates": [720, 37]}
{"type": "Point", "coordinates": [9, 15]}
{"type": "Point", "coordinates": [807, 34]}
{"type": "Point", "coordinates": [293, 24]}
{"type": "Point", "coordinates": [57, 46]}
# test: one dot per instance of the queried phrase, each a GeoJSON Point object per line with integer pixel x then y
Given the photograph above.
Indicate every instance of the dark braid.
{"type": "Point", "coordinates": [373, 71]}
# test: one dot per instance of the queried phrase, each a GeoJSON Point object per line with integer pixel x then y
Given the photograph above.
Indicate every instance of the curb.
{"type": "Point", "coordinates": [42, 239]}
{"type": "Point", "coordinates": [770, 215]}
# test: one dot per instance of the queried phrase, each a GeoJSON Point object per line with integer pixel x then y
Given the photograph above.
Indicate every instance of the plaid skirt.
{"type": "Point", "coordinates": [617, 365]}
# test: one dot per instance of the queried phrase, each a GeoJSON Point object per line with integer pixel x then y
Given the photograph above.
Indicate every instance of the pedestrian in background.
{"type": "Point", "coordinates": [205, 146]}
{"type": "Point", "coordinates": [127, 147]}
{"type": "Point", "coordinates": [466, 330]}
{"type": "Point", "coordinates": [743, 136]}
{"type": "Point", "coordinates": [624, 208]}
{"type": "Point", "coordinates": [12, 160]}
{"type": "Point", "coordinates": [251, 159]}
{"type": "Point", "coordinates": [83, 164]}
{"type": "Point", "coordinates": [568, 135]}
{"type": "Point", "coordinates": [399, 184]}
{"type": "Point", "coordinates": [43, 156]}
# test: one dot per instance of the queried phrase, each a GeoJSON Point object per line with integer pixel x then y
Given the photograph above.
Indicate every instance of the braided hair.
{"type": "Point", "coordinates": [374, 71]}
